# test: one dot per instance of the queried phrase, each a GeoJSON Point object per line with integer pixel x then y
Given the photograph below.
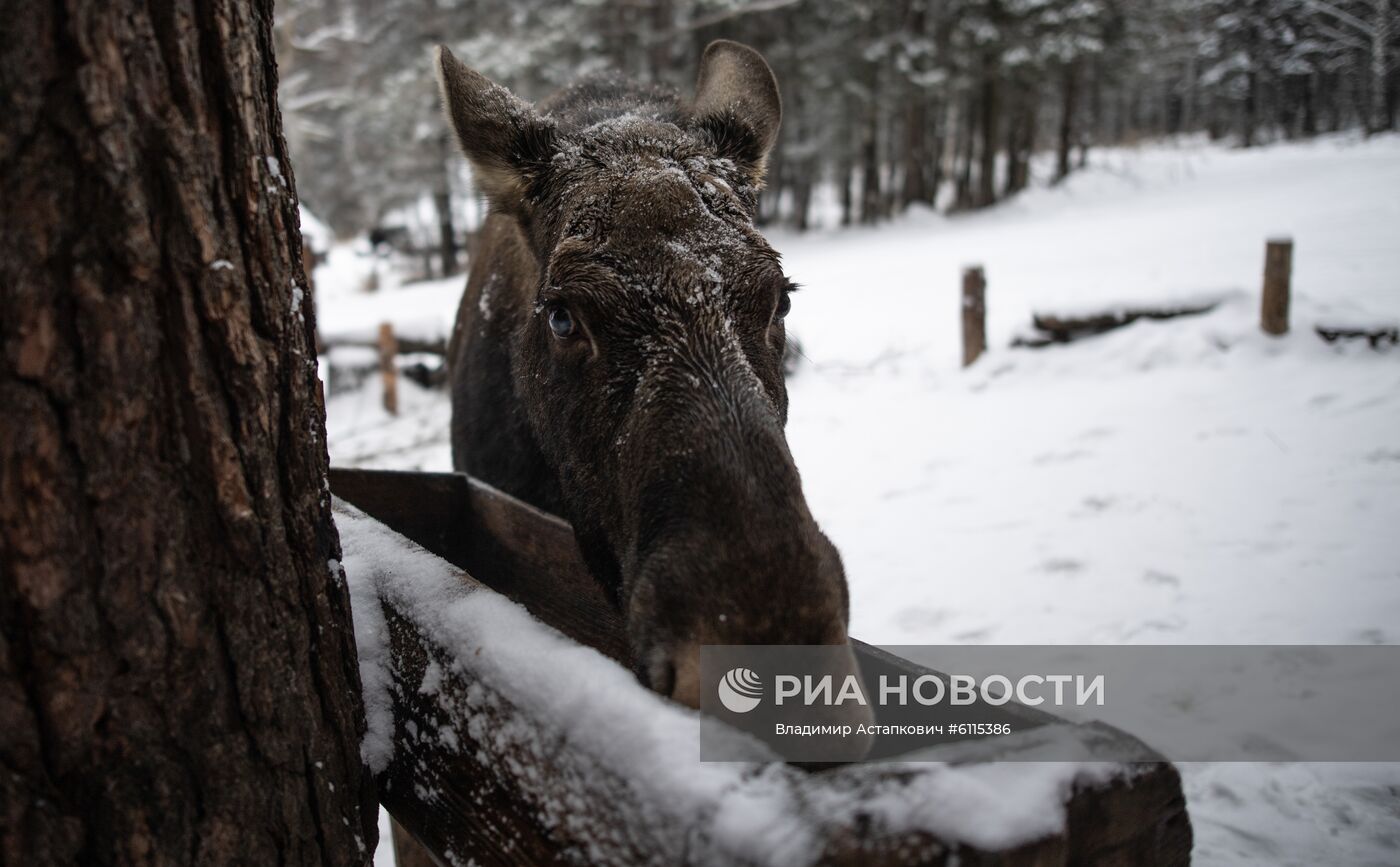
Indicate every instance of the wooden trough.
{"type": "Point", "coordinates": [473, 795]}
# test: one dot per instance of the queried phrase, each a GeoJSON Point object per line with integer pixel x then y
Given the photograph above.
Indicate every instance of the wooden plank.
{"type": "Point", "coordinates": [529, 555]}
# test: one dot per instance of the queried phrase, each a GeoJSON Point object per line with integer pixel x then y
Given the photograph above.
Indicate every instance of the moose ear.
{"type": "Point", "coordinates": [737, 104]}
{"type": "Point", "coordinates": [506, 140]}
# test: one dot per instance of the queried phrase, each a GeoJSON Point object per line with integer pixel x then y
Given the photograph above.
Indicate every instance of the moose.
{"type": "Point", "coordinates": [617, 358]}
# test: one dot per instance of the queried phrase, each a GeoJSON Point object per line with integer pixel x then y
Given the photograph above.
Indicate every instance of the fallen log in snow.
{"type": "Point", "coordinates": [1372, 334]}
{"type": "Point", "coordinates": [500, 740]}
{"type": "Point", "coordinates": [1052, 328]}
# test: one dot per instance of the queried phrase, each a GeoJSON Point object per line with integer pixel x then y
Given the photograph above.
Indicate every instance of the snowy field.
{"type": "Point", "coordinates": [1188, 481]}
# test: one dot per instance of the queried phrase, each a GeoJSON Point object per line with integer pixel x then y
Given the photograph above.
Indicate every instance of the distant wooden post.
{"type": "Point", "coordinates": [388, 350]}
{"type": "Point", "coordinates": [1278, 268]}
{"type": "Point", "coordinates": [974, 314]}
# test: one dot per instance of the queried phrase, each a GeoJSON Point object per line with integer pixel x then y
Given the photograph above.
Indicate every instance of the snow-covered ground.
{"type": "Point", "coordinates": [1190, 481]}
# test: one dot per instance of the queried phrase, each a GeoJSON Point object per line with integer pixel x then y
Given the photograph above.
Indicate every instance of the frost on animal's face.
{"type": "Point", "coordinates": [649, 243]}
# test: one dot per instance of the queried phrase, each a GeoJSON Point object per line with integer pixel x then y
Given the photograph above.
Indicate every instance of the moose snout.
{"type": "Point", "coordinates": [720, 547]}
{"type": "Point", "coordinates": [689, 596]}
{"type": "Point", "coordinates": [688, 686]}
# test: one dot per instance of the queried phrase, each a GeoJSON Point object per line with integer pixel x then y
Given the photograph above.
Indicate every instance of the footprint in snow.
{"type": "Point", "coordinates": [919, 617]}
{"type": "Point", "coordinates": [1060, 457]}
{"type": "Point", "coordinates": [1097, 504]}
{"type": "Point", "coordinates": [1152, 576]}
{"type": "Point", "coordinates": [1063, 565]}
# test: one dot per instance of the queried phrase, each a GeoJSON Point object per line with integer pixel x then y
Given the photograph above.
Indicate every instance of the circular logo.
{"type": "Point", "coordinates": [740, 690]}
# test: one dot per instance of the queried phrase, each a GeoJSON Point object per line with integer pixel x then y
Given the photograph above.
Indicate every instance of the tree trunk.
{"type": "Point", "coordinates": [1188, 99]}
{"type": "Point", "coordinates": [1026, 142]}
{"type": "Point", "coordinates": [1309, 122]}
{"type": "Point", "coordinates": [1013, 140]}
{"type": "Point", "coordinates": [1251, 105]}
{"type": "Point", "coordinates": [917, 160]}
{"type": "Point", "coordinates": [935, 167]}
{"type": "Point", "coordinates": [1378, 119]}
{"type": "Point", "coordinates": [963, 198]}
{"type": "Point", "coordinates": [770, 201]}
{"type": "Point", "coordinates": [662, 37]}
{"type": "Point", "coordinates": [178, 678]}
{"type": "Point", "coordinates": [991, 110]}
{"type": "Point", "coordinates": [1069, 105]}
{"type": "Point", "coordinates": [802, 198]}
{"type": "Point", "coordinates": [442, 203]}
{"type": "Point", "coordinates": [870, 164]}
{"type": "Point", "coordinates": [844, 180]}
{"type": "Point", "coordinates": [1094, 127]}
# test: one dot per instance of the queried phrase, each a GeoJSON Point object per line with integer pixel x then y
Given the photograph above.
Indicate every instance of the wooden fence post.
{"type": "Point", "coordinates": [388, 350]}
{"type": "Point", "coordinates": [1278, 268]}
{"type": "Point", "coordinates": [974, 314]}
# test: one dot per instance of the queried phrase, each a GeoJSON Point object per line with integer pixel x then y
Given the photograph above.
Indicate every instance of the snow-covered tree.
{"type": "Point", "coordinates": [890, 101]}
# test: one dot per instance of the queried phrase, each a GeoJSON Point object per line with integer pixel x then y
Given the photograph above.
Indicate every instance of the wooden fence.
{"type": "Point", "coordinates": [481, 800]}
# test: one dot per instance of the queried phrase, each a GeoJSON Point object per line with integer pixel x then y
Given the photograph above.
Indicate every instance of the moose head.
{"type": "Point", "coordinates": [637, 314]}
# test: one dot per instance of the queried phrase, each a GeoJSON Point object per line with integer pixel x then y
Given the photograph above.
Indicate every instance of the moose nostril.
{"type": "Point", "coordinates": [662, 676]}
{"type": "Point", "coordinates": [685, 676]}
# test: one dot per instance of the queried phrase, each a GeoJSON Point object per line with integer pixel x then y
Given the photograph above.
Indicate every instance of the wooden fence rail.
{"type": "Point", "coordinates": [481, 798]}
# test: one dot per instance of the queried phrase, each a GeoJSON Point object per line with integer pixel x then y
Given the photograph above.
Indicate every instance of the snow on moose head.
{"type": "Point", "coordinates": [618, 354]}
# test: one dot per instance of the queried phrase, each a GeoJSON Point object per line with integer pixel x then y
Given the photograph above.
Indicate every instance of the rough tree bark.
{"type": "Point", "coordinates": [178, 681]}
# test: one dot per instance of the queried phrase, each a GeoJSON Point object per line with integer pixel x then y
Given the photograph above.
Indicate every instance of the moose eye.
{"type": "Point", "coordinates": [784, 304]}
{"type": "Point", "coordinates": [561, 321]}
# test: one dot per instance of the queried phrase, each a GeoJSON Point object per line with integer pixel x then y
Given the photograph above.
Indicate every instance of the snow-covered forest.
{"type": "Point", "coordinates": [886, 104]}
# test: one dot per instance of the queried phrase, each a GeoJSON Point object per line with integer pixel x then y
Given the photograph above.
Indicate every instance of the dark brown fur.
{"type": "Point", "coordinates": [657, 429]}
